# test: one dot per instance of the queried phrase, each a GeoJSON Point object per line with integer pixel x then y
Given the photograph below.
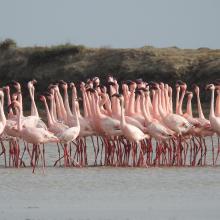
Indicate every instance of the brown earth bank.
{"type": "Point", "coordinates": [76, 63]}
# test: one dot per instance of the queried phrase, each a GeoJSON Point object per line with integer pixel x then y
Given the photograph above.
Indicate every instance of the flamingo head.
{"type": "Point", "coordinates": [111, 83]}
{"type": "Point", "coordinates": [89, 82]}
{"type": "Point", "coordinates": [15, 104]}
{"type": "Point", "coordinates": [103, 88]}
{"type": "Point", "coordinates": [153, 85]}
{"type": "Point", "coordinates": [138, 92]}
{"type": "Point", "coordinates": [51, 87]}
{"type": "Point", "coordinates": [196, 88]}
{"type": "Point", "coordinates": [119, 96]}
{"type": "Point", "coordinates": [133, 86]}
{"type": "Point", "coordinates": [42, 98]}
{"type": "Point", "coordinates": [182, 84]}
{"type": "Point", "coordinates": [34, 81]}
{"type": "Point", "coordinates": [144, 89]}
{"type": "Point", "coordinates": [161, 84]}
{"type": "Point", "coordinates": [56, 88]}
{"type": "Point", "coordinates": [73, 86]}
{"type": "Point", "coordinates": [210, 87]}
{"type": "Point", "coordinates": [124, 87]}
{"type": "Point", "coordinates": [170, 91]}
{"type": "Point", "coordinates": [177, 87]}
{"type": "Point", "coordinates": [49, 94]}
{"type": "Point", "coordinates": [82, 86]}
{"type": "Point", "coordinates": [6, 88]}
{"type": "Point", "coordinates": [14, 96]}
{"type": "Point", "coordinates": [139, 82]}
{"type": "Point", "coordinates": [190, 94]}
{"type": "Point", "coordinates": [16, 85]}
{"type": "Point", "coordinates": [91, 90]}
{"type": "Point", "coordinates": [63, 84]}
{"type": "Point", "coordinates": [96, 80]}
{"type": "Point", "coordinates": [166, 86]}
{"type": "Point", "coordinates": [110, 78]}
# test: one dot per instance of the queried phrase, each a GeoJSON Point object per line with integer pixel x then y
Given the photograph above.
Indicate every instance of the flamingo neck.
{"type": "Point", "coordinates": [85, 105]}
{"type": "Point", "coordinates": [49, 118]}
{"type": "Point", "coordinates": [212, 113]}
{"type": "Point", "coordinates": [2, 114]}
{"type": "Point", "coordinates": [217, 105]}
{"type": "Point", "coordinates": [167, 102]}
{"type": "Point", "coordinates": [117, 103]}
{"type": "Point", "coordinates": [126, 100]}
{"type": "Point", "coordinates": [75, 114]}
{"type": "Point", "coordinates": [66, 103]}
{"type": "Point", "coordinates": [155, 104]}
{"type": "Point", "coordinates": [146, 115]}
{"type": "Point", "coordinates": [91, 104]}
{"type": "Point", "coordinates": [97, 108]}
{"type": "Point", "coordinates": [58, 107]}
{"type": "Point", "coordinates": [201, 115]}
{"type": "Point", "coordinates": [9, 102]}
{"type": "Point", "coordinates": [170, 102]}
{"type": "Point", "coordinates": [180, 110]}
{"type": "Point", "coordinates": [34, 110]}
{"type": "Point", "coordinates": [20, 100]}
{"type": "Point", "coordinates": [19, 118]}
{"type": "Point", "coordinates": [108, 105]}
{"type": "Point", "coordinates": [131, 103]}
{"type": "Point", "coordinates": [162, 95]}
{"type": "Point", "coordinates": [53, 110]}
{"type": "Point", "coordinates": [62, 108]}
{"type": "Point", "coordinates": [177, 100]}
{"type": "Point", "coordinates": [123, 122]}
{"type": "Point", "coordinates": [149, 106]}
{"type": "Point", "coordinates": [160, 109]}
{"type": "Point", "coordinates": [189, 106]}
{"type": "Point", "coordinates": [137, 105]}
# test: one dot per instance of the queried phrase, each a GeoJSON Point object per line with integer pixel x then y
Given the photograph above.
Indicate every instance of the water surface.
{"type": "Point", "coordinates": [109, 193]}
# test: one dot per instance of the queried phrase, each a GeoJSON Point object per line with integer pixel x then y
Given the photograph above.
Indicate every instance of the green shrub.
{"type": "Point", "coordinates": [7, 44]}
{"type": "Point", "coordinates": [47, 54]}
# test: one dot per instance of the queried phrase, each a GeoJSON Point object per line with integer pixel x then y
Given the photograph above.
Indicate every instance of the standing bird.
{"type": "Point", "coordinates": [33, 135]}
{"type": "Point", "coordinates": [131, 132]}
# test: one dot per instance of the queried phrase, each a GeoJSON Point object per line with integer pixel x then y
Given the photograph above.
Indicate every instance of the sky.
{"type": "Point", "coordinates": [112, 23]}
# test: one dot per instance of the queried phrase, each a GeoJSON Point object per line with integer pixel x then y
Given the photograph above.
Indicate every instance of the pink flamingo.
{"type": "Point", "coordinates": [131, 132]}
{"type": "Point", "coordinates": [2, 122]}
{"type": "Point", "coordinates": [31, 134]}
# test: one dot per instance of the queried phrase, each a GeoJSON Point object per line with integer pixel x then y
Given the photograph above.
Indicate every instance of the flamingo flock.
{"type": "Point", "coordinates": [134, 124]}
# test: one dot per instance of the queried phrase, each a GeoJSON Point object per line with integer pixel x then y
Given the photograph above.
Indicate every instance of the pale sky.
{"type": "Point", "coordinates": [113, 23]}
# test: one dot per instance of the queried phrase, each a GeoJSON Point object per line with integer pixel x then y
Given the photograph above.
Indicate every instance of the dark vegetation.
{"type": "Point", "coordinates": [76, 63]}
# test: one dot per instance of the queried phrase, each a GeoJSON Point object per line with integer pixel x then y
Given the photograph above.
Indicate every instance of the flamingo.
{"type": "Point", "coordinates": [33, 135]}
{"type": "Point", "coordinates": [131, 132]}
{"type": "Point", "coordinates": [2, 114]}
{"type": "Point", "coordinates": [2, 122]}
{"type": "Point", "coordinates": [173, 121]}
{"type": "Point", "coordinates": [217, 105]}
{"type": "Point", "coordinates": [124, 125]}
{"type": "Point", "coordinates": [214, 120]}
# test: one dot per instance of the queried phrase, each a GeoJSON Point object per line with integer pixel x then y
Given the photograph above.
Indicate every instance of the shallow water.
{"type": "Point", "coordinates": [109, 193]}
